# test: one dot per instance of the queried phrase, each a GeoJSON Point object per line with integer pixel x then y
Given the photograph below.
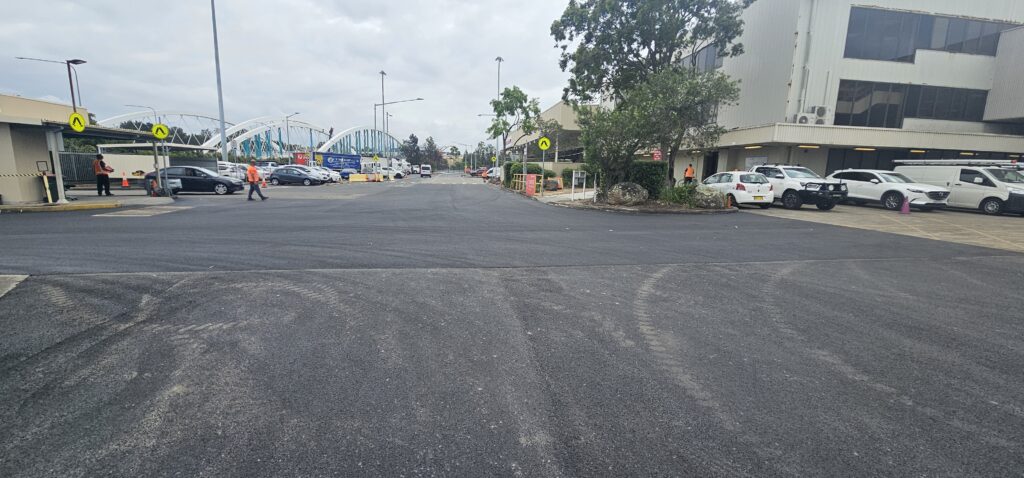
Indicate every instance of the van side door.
{"type": "Point", "coordinates": [970, 188]}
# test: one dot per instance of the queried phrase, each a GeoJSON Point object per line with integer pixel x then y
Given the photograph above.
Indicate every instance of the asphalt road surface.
{"type": "Point", "coordinates": [430, 328]}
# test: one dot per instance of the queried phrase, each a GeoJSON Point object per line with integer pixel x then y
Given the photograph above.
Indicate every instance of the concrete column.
{"type": "Point", "coordinates": [55, 144]}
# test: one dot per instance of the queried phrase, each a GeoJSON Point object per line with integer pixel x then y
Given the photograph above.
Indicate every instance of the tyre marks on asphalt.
{"type": "Point", "coordinates": [769, 296]}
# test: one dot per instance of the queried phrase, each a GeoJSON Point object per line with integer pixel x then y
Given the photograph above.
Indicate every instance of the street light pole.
{"type": "Point", "coordinates": [288, 134]}
{"type": "Point", "coordinates": [220, 90]}
{"type": "Point", "coordinates": [382, 102]}
{"type": "Point", "coordinates": [498, 140]}
{"type": "Point", "coordinates": [71, 84]}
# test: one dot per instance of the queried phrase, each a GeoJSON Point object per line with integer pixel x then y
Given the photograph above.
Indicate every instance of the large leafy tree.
{"type": "Point", "coordinates": [411, 150]}
{"type": "Point", "coordinates": [676, 109]}
{"type": "Point", "coordinates": [514, 110]}
{"type": "Point", "coordinates": [619, 44]}
{"type": "Point", "coordinates": [432, 155]}
{"type": "Point", "coordinates": [611, 138]}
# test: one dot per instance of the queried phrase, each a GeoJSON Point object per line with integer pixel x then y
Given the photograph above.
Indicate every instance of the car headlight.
{"type": "Point", "coordinates": [915, 191]}
{"type": "Point", "coordinates": [842, 187]}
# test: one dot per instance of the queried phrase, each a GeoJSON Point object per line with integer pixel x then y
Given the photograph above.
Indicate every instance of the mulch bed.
{"type": "Point", "coordinates": [651, 207]}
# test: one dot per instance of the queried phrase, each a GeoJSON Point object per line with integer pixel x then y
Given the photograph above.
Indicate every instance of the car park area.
{"type": "Point", "coordinates": [1004, 232]}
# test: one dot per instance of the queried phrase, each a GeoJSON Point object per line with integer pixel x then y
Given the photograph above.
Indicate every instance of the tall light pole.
{"type": "Point", "coordinates": [498, 141]}
{"type": "Point", "coordinates": [382, 102]}
{"type": "Point", "coordinates": [288, 134]}
{"type": "Point", "coordinates": [220, 90]}
{"type": "Point", "coordinates": [70, 65]}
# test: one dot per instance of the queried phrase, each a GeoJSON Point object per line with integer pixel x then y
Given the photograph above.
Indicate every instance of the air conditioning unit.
{"type": "Point", "coordinates": [819, 111]}
{"type": "Point", "coordinates": [805, 118]}
{"type": "Point", "coordinates": [816, 115]}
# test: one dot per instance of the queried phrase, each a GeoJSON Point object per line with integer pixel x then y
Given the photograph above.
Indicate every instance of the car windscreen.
{"type": "Point", "coordinates": [1006, 175]}
{"type": "Point", "coordinates": [800, 173]}
{"type": "Point", "coordinates": [208, 172]}
{"type": "Point", "coordinates": [895, 178]}
{"type": "Point", "coordinates": [753, 179]}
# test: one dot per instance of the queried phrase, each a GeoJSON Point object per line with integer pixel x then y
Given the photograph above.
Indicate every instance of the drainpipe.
{"type": "Point", "coordinates": [805, 71]}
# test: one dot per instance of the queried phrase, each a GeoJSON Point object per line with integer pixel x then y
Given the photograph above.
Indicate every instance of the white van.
{"type": "Point", "coordinates": [425, 171]}
{"type": "Point", "coordinates": [994, 187]}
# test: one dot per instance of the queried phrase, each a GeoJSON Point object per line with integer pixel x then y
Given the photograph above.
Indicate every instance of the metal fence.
{"type": "Point", "coordinates": [77, 167]}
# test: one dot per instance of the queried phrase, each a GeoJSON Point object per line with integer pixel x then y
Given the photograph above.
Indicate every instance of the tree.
{"type": "Point", "coordinates": [623, 46]}
{"type": "Point", "coordinates": [432, 155]}
{"type": "Point", "coordinates": [621, 43]}
{"type": "Point", "coordinates": [611, 138]}
{"type": "Point", "coordinates": [411, 150]}
{"type": "Point", "coordinates": [514, 110]}
{"type": "Point", "coordinates": [454, 151]}
{"type": "Point", "coordinates": [676, 109]}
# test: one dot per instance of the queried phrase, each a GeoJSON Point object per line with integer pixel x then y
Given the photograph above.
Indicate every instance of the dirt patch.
{"type": "Point", "coordinates": [651, 207]}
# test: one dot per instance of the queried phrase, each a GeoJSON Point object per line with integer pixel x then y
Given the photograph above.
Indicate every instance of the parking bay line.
{"type": "Point", "coordinates": [9, 282]}
{"type": "Point", "coordinates": [144, 212]}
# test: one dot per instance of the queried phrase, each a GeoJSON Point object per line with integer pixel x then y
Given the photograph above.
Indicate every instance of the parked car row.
{"type": "Point", "coordinates": [993, 187]}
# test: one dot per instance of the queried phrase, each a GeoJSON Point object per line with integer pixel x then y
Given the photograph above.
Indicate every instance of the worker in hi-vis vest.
{"type": "Point", "coordinates": [253, 175]}
{"type": "Point", "coordinates": [688, 175]}
{"type": "Point", "coordinates": [102, 175]}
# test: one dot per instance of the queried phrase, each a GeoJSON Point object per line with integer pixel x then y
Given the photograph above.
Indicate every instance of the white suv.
{"type": "Point", "coordinates": [796, 185]}
{"type": "Point", "coordinates": [890, 189]}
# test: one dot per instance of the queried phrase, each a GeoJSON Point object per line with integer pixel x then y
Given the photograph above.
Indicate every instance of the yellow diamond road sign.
{"type": "Point", "coordinates": [494, 159]}
{"type": "Point", "coordinates": [376, 158]}
{"type": "Point", "coordinates": [544, 143]}
{"type": "Point", "coordinates": [77, 122]}
{"type": "Point", "coordinates": [160, 131]}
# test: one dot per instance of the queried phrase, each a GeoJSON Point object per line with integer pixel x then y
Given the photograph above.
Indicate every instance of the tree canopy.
{"type": "Point", "coordinates": [619, 44]}
{"type": "Point", "coordinates": [514, 110]}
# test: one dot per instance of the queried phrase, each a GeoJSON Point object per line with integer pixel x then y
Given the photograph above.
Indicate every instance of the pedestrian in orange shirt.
{"type": "Point", "coordinates": [688, 175]}
{"type": "Point", "coordinates": [253, 176]}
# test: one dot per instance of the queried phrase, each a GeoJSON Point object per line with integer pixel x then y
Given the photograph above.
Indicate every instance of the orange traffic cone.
{"type": "Point", "coordinates": [264, 185]}
{"type": "Point", "coordinates": [124, 180]}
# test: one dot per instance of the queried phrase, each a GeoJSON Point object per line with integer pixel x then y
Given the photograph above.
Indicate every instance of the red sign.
{"type": "Point", "coordinates": [657, 155]}
{"type": "Point", "coordinates": [531, 184]}
{"type": "Point", "coordinates": [300, 158]}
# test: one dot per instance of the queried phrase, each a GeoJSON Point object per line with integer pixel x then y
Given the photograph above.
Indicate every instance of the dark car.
{"type": "Point", "coordinates": [290, 175]}
{"type": "Point", "coordinates": [200, 180]}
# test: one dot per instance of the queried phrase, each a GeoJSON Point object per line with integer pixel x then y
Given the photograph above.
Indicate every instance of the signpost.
{"type": "Point", "coordinates": [160, 131]}
{"type": "Point", "coordinates": [77, 122]}
{"type": "Point", "coordinates": [544, 144]}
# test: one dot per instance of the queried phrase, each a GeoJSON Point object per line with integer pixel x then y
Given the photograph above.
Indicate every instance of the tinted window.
{"type": "Point", "coordinates": [969, 176]}
{"type": "Point", "coordinates": [725, 178]}
{"type": "Point", "coordinates": [877, 34]}
{"type": "Point", "coordinates": [769, 172]}
{"type": "Point", "coordinates": [885, 105]}
{"type": "Point", "coordinates": [844, 176]}
{"type": "Point", "coordinates": [753, 179]}
{"type": "Point", "coordinates": [175, 171]}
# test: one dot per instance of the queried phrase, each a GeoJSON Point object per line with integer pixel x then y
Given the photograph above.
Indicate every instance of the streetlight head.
{"type": "Point", "coordinates": [499, 59]}
{"type": "Point", "coordinates": [419, 99]}
{"type": "Point", "coordinates": [76, 62]}
{"type": "Point", "coordinates": [382, 73]}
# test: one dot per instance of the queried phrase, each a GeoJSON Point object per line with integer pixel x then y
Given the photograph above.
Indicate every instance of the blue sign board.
{"type": "Point", "coordinates": [341, 161]}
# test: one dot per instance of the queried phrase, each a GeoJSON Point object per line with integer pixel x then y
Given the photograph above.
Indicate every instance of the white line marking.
{"type": "Point", "coordinates": [8, 283]}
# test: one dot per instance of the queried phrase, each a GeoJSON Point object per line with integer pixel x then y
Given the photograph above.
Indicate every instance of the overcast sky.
{"type": "Point", "coordinates": [317, 57]}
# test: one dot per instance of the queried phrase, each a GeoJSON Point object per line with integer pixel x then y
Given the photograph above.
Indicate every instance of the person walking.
{"type": "Point", "coordinates": [102, 175]}
{"type": "Point", "coordinates": [253, 175]}
{"type": "Point", "coordinates": [688, 175]}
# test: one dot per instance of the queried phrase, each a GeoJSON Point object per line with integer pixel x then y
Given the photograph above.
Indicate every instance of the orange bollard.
{"type": "Point", "coordinates": [124, 180]}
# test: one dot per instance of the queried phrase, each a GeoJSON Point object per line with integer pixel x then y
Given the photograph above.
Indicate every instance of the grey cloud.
{"type": "Point", "coordinates": [317, 57]}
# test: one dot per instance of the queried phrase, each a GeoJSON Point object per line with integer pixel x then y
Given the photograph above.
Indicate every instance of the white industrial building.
{"type": "Point", "coordinates": [833, 84]}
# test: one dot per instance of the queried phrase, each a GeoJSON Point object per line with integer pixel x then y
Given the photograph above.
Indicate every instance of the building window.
{"type": "Point", "coordinates": [706, 59]}
{"type": "Point", "coordinates": [876, 34]}
{"type": "Point", "coordinates": [885, 105]}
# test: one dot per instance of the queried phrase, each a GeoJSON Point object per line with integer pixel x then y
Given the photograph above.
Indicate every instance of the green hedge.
{"type": "Point", "coordinates": [511, 169]}
{"type": "Point", "coordinates": [649, 174]}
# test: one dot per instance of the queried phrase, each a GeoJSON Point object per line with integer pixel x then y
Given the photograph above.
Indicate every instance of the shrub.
{"type": "Point", "coordinates": [649, 174]}
{"type": "Point", "coordinates": [682, 195]}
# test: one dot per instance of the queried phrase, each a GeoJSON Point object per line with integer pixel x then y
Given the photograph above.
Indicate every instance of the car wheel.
{"type": "Point", "coordinates": [765, 206]}
{"type": "Point", "coordinates": [791, 200]}
{"type": "Point", "coordinates": [307, 182]}
{"type": "Point", "coordinates": [731, 201]}
{"type": "Point", "coordinates": [892, 201]}
{"type": "Point", "coordinates": [275, 181]}
{"type": "Point", "coordinates": [992, 207]}
{"type": "Point", "coordinates": [826, 204]}
{"type": "Point", "coordinates": [220, 189]}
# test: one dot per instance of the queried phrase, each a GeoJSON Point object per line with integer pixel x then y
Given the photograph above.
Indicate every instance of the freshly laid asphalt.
{"type": "Point", "coordinates": [429, 328]}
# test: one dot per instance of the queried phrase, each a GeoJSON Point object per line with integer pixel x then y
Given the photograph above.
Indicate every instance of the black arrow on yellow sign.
{"type": "Point", "coordinates": [76, 121]}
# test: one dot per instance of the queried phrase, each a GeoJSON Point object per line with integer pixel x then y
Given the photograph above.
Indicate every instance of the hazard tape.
{"type": "Point", "coordinates": [36, 175]}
